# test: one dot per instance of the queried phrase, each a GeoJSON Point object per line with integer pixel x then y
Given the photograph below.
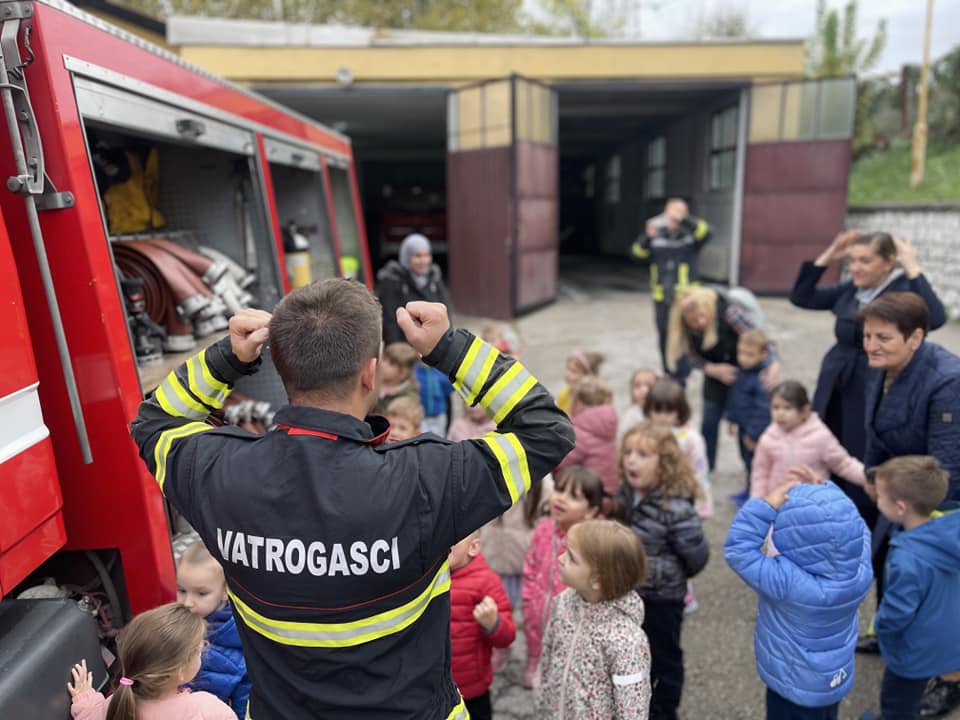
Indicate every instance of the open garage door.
{"type": "Point", "coordinates": [502, 196]}
{"type": "Point", "coordinates": [795, 177]}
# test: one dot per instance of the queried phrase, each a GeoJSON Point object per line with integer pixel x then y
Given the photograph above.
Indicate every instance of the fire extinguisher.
{"type": "Point", "coordinates": [297, 249]}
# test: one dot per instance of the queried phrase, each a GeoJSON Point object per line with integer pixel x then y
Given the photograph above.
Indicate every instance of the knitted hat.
{"type": "Point", "coordinates": [411, 245]}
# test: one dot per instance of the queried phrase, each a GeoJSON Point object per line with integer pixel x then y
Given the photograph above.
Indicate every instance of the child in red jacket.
{"type": "Point", "coordinates": [480, 619]}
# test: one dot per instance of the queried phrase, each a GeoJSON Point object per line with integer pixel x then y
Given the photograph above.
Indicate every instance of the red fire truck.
{"type": "Point", "coordinates": [117, 151]}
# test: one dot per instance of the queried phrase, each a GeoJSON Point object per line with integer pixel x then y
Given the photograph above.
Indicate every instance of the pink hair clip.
{"type": "Point", "coordinates": [126, 681]}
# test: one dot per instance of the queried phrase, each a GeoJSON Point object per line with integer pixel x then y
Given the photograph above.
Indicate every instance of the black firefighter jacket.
{"type": "Point", "coordinates": [334, 544]}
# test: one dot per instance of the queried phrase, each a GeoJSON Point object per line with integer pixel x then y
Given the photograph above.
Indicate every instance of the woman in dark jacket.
{"type": "Point", "coordinates": [704, 327]}
{"type": "Point", "coordinates": [414, 277]}
{"type": "Point", "coordinates": [839, 397]}
{"type": "Point", "coordinates": [912, 388]}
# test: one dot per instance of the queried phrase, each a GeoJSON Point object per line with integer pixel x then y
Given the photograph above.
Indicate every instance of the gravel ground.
{"type": "Point", "coordinates": [601, 307]}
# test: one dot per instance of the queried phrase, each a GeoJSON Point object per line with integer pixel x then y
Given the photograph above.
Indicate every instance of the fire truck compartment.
{"type": "Point", "coordinates": [40, 640]}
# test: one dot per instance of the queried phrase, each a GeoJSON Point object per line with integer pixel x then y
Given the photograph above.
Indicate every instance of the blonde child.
{"type": "Point", "coordinates": [666, 406]}
{"type": "Point", "coordinates": [595, 422]}
{"type": "Point", "coordinates": [503, 338]}
{"type": "Point", "coordinates": [159, 651]}
{"type": "Point", "coordinates": [202, 589]}
{"type": "Point", "coordinates": [748, 402]}
{"type": "Point", "coordinates": [658, 493]}
{"type": "Point", "coordinates": [480, 621]}
{"type": "Point", "coordinates": [596, 660]}
{"type": "Point", "coordinates": [396, 374]}
{"type": "Point", "coordinates": [577, 495]}
{"type": "Point", "coordinates": [640, 383]}
{"type": "Point", "coordinates": [798, 445]}
{"type": "Point", "coordinates": [405, 415]}
{"type": "Point", "coordinates": [472, 423]}
{"type": "Point", "coordinates": [580, 364]}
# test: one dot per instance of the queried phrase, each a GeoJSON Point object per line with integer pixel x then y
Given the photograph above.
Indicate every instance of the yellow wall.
{"type": "Point", "coordinates": [761, 61]}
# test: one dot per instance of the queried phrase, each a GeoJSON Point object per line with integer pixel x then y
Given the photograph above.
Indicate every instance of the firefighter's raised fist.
{"type": "Point", "coordinates": [249, 330]}
{"type": "Point", "coordinates": [423, 324]}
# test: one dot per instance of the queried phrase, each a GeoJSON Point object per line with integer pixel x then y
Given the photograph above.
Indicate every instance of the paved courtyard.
{"type": "Point", "coordinates": [602, 307]}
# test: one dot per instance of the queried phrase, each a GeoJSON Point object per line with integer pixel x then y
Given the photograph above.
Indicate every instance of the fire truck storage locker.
{"type": "Point", "coordinates": [298, 174]}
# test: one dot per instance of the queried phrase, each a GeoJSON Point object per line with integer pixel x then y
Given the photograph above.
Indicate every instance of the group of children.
{"type": "Point", "coordinates": [600, 556]}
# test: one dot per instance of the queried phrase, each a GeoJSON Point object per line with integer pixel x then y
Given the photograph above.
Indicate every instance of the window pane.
{"type": "Point", "coordinates": [730, 127]}
{"type": "Point", "coordinates": [799, 114]}
{"type": "Point", "coordinates": [613, 180]}
{"type": "Point", "coordinates": [496, 112]}
{"type": "Point", "coordinates": [837, 105]}
{"type": "Point", "coordinates": [765, 113]}
{"type": "Point", "coordinates": [655, 183]}
{"type": "Point", "coordinates": [657, 153]}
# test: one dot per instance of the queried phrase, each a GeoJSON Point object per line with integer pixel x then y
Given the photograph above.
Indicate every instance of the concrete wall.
{"type": "Point", "coordinates": [934, 231]}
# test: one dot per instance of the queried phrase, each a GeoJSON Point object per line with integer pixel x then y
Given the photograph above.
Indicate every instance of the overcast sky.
{"type": "Point", "coordinates": [667, 19]}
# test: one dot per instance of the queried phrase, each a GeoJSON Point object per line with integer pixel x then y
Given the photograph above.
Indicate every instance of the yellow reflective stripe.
{"type": "Point", "coordinates": [510, 389]}
{"type": "Point", "coordinates": [700, 232]}
{"type": "Point", "coordinates": [348, 634]}
{"type": "Point", "coordinates": [175, 400]}
{"type": "Point", "coordinates": [203, 384]}
{"type": "Point", "coordinates": [460, 711]}
{"type": "Point", "coordinates": [473, 372]}
{"type": "Point", "coordinates": [683, 275]}
{"type": "Point", "coordinates": [164, 444]}
{"type": "Point", "coordinates": [639, 251]}
{"type": "Point", "coordinates": [513, 462]}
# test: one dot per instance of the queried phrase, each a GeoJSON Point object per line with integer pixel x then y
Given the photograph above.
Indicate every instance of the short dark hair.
{"type": "Point", "coordinates": [880, 242]}
{"type": "Point", "coordinates": [907, 310]}
{"type": "Point", "coordinates": [614, 553]}
{"type": "Point", "coordinates": [321, 335]}
{"type": "Point", "coordinates": [793, 393]}
{"type": "Point", "coordinates": [667, 395]}
{"type": "Point", "coordinates": [918, 480]}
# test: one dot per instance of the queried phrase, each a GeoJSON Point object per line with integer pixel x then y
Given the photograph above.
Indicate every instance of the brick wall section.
{"type": "Point", "coordinates": [934, 231]}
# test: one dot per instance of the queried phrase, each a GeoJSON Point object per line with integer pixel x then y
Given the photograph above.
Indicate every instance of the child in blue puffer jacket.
{"type": "Point", "coordinates": [916, 621]}
{"type": "Point", "coordinates": [809, 593]}
{"type": "Point", "coordinates": [202, 589]}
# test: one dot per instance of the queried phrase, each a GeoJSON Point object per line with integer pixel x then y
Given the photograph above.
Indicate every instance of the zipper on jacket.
{"type": "Point", "coordinates": [566, 664]}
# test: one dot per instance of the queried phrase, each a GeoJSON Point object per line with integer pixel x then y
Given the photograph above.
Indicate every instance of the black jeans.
{"type": "Point", "coordinates": [479, 707]}
{"type": "Point", "coordinates": [779, 708]}
{"type": "Point", "coordinates": [661, 622]}
{"type": "Point", "coordinates": [900, 697]}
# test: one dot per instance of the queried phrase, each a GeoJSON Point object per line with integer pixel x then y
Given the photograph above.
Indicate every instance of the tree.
{"type": "Point", "coordinates": [723, 22]}
{"type": "Point", "coordinates": [835, 50]}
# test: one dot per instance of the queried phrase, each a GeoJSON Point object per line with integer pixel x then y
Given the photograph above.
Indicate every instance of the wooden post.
{"type": "Point", "coordinates": [920, 127]}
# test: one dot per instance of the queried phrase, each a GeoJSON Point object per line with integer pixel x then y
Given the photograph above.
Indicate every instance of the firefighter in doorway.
{"type": "Point", "coordinates": [672, 243]}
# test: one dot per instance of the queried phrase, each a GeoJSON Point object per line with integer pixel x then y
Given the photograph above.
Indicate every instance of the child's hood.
{"type": "Point", "coordinates": [937, 541]}
{"type": "Point", "coordinates": [599, 420]}
{"type": "Point", "coordinates": [222, 628]}
{"type": "Point", "coordinates": [629, 606]}
{"type": "Point", "coordinates": [809, 428]}
{"type": "Point", "coordinates": [819, 529]}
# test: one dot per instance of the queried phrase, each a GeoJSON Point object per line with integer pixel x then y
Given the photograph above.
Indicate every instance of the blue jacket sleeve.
{"type": "Point", "coordinates": [240, 696]}
{"type": "Point", "coordinates": [937, 315]}
{"type": "Point", "coordinates": [902, 594]}
{"type": "Point", "coordinates": [774, 577]}
{"type": "Point", "coordinates": [943, 431]}
{"type": "Point", "coordinates": [807, 295]}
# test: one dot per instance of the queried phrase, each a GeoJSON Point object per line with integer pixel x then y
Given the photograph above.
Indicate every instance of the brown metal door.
{"type": "Point", "coordinates": [795, 177]}
{"type": "Point", "coordinates": [502, 196]}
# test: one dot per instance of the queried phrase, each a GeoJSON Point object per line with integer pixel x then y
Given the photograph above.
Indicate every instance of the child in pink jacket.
{"type": "Point", "coordinates": [798, 440]}
{"type": "Point", "coordinates": [577, 496]}
{"type": "Point", "coordinates": [159, 650]}
{"type": "Point", "coordinates": [595, 423]}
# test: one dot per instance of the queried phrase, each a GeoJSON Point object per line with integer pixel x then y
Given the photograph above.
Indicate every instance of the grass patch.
{"type": "Point", "coordinates": [884, 176]}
